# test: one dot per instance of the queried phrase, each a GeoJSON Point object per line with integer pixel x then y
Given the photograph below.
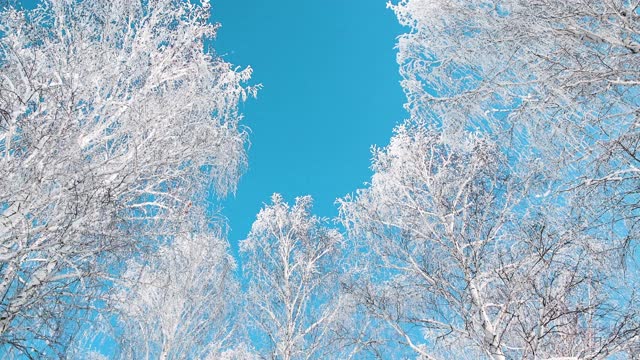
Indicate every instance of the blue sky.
{"type": "Point", "coordinates": [331, 90]}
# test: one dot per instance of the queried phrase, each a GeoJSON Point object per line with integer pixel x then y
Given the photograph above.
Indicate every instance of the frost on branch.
{"type": "Point", "coordinates": [462, 259]}
{"type": "Point", "coordinates": [291, 263]}
{"type": "Point", "coordinates": [502, 219]}
{"type": "Point", "coordinates": [553, 81]}
{"type": "Point", "coordinates": [114, 122]}
{"type": "Point", "coordinates": [180, 303]}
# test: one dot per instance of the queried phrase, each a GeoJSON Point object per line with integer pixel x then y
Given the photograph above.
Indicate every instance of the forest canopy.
{"type": "Point", "coordinates": [501, 220]}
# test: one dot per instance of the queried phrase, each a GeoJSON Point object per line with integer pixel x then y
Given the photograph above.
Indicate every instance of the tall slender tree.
{"type": "Point", "coordinates": [180, 303]}
{"type": "Point", "coordinates": [498, 215]}
{"type": "Point", "coordinates": [467, 260]}
{"type": "Point", "coordinates": [553, 81]}
{"type": "Point", "coordinates": [293, 299]}
{"type": "Point", "coordinates": [115, 119]}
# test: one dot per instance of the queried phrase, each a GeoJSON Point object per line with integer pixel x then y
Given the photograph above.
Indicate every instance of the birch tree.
{"type": "Point", "coordinates": [555, 81]}
{"type": "Point", "coordinates": [115, 120]}
{"type": "Point", "coordinates": [180, 304]}
{"type": "Point", "coordinates": [291, 263]}
{"type": "Point", "coordinates": [497, 216]}
{"type": "Point", "coordinates": [467, 259]}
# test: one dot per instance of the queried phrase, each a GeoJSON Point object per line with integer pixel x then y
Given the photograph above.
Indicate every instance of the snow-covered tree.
{"type": "Point", "coordinates": [555, 81]}
{"type": "Point", "coordinates": [181, 303]}
{"type": "Point", "coordinates": [291, 263]}
{"type": "Point", "coordinates": [464, 258]}
{"type": "Point", "coordinates": [496, 218]}
{"type": "Point", "coordinates": [115, 119]}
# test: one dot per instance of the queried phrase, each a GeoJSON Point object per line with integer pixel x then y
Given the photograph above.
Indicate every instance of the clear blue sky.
{"type": "Point", "coordinates": [331, 90]}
